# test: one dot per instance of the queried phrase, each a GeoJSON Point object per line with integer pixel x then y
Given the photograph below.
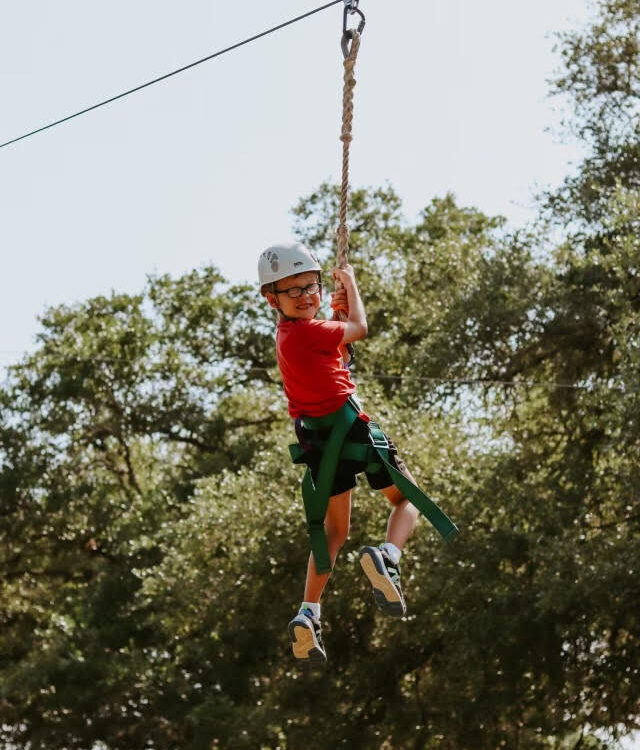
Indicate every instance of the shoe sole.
{"type": "Point", "coordinates": [304, 645]}
{"type": "Point", "coordinates": [384, 592]}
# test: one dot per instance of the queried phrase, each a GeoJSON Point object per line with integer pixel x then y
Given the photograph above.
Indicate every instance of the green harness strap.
{"type": "Point", "coordinates": [432, 512]}
{"type": "Point", "coordinates": [315, 496]}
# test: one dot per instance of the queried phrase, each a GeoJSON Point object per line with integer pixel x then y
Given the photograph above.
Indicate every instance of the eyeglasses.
{"type": "Point", "coordinates": [298, 291]}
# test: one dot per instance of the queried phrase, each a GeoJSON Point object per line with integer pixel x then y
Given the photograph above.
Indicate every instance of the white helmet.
{"type": "Point", "coordinates": [279, 261]}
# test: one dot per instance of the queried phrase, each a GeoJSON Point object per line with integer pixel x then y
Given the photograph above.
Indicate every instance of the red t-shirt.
{"type": "Point", "coordinates": [315, 380]}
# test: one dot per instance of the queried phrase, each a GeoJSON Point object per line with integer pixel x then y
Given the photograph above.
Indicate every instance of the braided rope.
{"type": "Point", "coordinates": [346, 137]}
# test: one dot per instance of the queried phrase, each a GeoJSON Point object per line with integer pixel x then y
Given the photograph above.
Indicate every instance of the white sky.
{"type": "Point", "coordinates": [204, 167]}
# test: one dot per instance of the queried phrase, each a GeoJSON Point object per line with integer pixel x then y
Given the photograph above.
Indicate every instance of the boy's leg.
{"type": "Point", "coordinates": [381, 564]}
{"type": "Point", "coordinates": [403, 517]}
{"type": "Point", "coordinates": [336, 524]}
{"type": "Point", "coordinates": [305, 629]}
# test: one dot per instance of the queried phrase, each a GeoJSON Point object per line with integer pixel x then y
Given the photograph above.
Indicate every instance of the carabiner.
{"type": "Point", "coordinates": [347, 34]}
{"type": "Point", "coordinates": [351, 7]}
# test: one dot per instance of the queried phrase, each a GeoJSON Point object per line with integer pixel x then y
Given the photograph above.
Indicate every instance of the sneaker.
{"type": "Point", "coordinates": [305, 634]}
{"type": "Point", "coordinates": [384, 576]}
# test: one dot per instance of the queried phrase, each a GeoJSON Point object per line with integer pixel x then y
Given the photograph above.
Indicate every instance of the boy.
{"type": "Point", "coordinates": [316, 383]}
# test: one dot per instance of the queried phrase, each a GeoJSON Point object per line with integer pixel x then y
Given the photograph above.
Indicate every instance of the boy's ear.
{"type": "Point", "coordinates": [272, 299]}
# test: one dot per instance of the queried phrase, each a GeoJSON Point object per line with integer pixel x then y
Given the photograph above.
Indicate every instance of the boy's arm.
{"type": "Point", "coordinates": [340, 307]}
{"type": "Point", "coordinates": [356, 322]}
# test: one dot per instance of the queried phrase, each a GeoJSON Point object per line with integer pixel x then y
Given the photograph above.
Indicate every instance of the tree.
{"type": "Point", "coordinates": [103, 431]}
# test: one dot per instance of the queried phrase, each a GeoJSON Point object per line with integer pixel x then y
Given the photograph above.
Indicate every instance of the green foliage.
{"type": "Point", "coordinates": [104, 430]}
{"type": "Point", "coordinates": [601, 70]}
{"type": "Point", "coordinates": [153, 546]}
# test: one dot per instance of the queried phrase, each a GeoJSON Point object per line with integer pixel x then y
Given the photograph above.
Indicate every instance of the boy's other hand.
{"type": "Point", "coordinates": [339, 300]}
{"type": "Point", "coordinates": [346, 275]}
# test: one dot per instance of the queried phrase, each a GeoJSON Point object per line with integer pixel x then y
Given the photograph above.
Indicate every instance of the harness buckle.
{"type": "Point", "coordinates": [377, 437]}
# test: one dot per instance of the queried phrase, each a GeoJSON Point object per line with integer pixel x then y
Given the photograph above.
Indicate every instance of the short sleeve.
{"type": "Point", "coordinates": [325, 335]}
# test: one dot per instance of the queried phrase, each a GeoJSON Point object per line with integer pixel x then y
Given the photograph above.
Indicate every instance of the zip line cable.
{"type": "Point", "coordinates": [172, 73]}
{"type": "Point", "coordinates": [550, 385]}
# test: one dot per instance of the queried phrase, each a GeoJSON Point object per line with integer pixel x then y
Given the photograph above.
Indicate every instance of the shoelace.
{"type": "Point", "coordinates": [394, 573]}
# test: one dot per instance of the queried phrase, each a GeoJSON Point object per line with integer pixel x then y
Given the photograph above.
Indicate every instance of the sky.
{"type": "Point", "coordinates": [205, 167]}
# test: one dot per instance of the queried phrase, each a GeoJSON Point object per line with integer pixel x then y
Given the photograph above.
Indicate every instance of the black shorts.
{"type": "Point", "coordinates": [347, 470]}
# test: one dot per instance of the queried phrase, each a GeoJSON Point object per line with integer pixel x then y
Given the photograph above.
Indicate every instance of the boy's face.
{"type": "Point", "coordinates": [305, 306]}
